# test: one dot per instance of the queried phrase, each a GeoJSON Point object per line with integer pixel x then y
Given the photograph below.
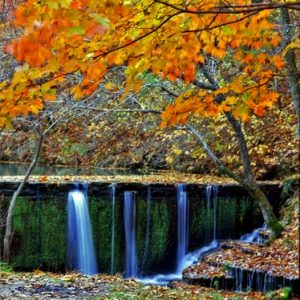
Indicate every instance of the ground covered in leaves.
{"type": "Point", "coordinates": [279, 258]}
{"type": "Point", "coordinates": [39, 285]}
{"type": "Point", "coordinates": [163, 177]}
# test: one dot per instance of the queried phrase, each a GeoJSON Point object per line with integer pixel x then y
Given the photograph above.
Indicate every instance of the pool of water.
{"type": "Point", "coordinates": [13, 169]}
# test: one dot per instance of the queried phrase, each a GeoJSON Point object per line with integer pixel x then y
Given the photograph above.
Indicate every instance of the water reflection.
{"type": "Point", "coordinates": [7, 169]}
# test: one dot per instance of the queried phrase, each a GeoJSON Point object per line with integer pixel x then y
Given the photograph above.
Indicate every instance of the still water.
{"type": "Point", "coordinates": [20, 169]}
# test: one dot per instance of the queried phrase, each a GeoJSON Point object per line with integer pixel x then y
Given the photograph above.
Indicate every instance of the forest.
{"type": "Point", "coordinates": [149, 149]}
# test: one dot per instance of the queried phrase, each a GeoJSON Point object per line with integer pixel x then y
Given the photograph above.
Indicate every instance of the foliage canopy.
{"type": "Point", "coordinates": [173, 39]}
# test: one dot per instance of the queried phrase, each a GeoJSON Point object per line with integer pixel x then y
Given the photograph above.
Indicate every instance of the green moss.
{"type": "Point", "coordinates": [282, 294]}
{"type": "Point", "coordinates": [290, 185]}
{"type": "Point", "coordinates": [216, 283]}
{"type": "Point", "coordinates": [159, 240]}
{"type": "Point", "coordinates": [201, 222]}
{"type": "Point", "coordinates": [5, 268]}
{"type": "Point", "coordinates": [39, 234]}
{"type": "Point", "coordinates": [141, 224]}
{"type": "Point", "coordinates": [101, 219]}
{"type": "Point", "coordinates": [216, 296]}
{"type": "Point", "coordinates": [276, 228]}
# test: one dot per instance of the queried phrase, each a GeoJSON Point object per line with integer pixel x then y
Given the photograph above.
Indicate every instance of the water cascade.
{"type": "Point", "coordinates": [258, 280]}
{"type": "Point", "coordinates": [182, 223]}
{"type": "Point", "coordinates": [255, 236]}
{"type": "Point", "coordinates": [194, 256]}
{"type": "Point", "coordinates": [212, 193]}
{"type": "Point", "coordinates": [130, 234]}
{"type": "Point", "coordinates": [81, 253]}
{"type": "Point", "coordinates": [112, 188]}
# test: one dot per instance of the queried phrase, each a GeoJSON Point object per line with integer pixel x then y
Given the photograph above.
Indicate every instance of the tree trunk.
{"type": "Point", "coordinates": [250, 183]}
{"type": "Point", "coordinates": [290, 59]}
{"type": "Point", "coordinates": [242, 144]}
{"type": "Point", "coordinates": [8, 228]}
{"type": "Point", "coordinates": [267, 211]}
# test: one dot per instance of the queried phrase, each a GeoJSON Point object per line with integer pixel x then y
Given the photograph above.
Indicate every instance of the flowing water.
{"type": "Point", "coordinates": [130, 234]}
{"type": "Point", "coordinates": [182, 223]}
{"type": "Point", "coordinates": [212, 194]}
{"type": "Point", "coordinates": [140, 230]}
{"type": "Point", "coordinates": [81, 251]}
{"type": "Point", "coordinates": [147, 232]}
{"type": "Point", "coordinates": [254, 236]}
{"type": "Point", "coordinates": [185, 259]}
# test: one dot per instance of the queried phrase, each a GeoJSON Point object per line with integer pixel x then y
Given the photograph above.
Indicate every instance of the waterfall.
{"type": "Point", "coordinates": [255, 236]}
{"type": "Point", "coordinates": [212, 193]}
{"type": "Point", "coordinates": [147, 240]}
{"type": "Point", "coordinates": [81, 251]}
{"type": "Point", "coordinates": [194, 256]}
{"type": "Point", "coordinates": [182, 223]}
{"type": "Point", "coordinates": [188, 260]}
{"type": "Point", "coordinates": [239, 277]}
{"type": "Point", "coordinates": [250, 277]}
{"type": "Point", "coordinates": [130, 234]}
{"type": "Point", "coordinates": [112, 188]}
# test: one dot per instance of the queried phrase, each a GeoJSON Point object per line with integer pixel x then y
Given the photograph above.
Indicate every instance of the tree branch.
{"type": "Point", "coordinates": [212, 155]}
{"type": "Point", "coordinates": [144, 111]}
{"type": "Point", "coordinates": [235, 9]}
{"type": "Point", "coordinates": [203, 85]}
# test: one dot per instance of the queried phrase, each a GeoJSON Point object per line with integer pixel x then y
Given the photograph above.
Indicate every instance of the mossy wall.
{"type": "Point", "coordinates": [40, 229]}
{"type": "Point", "coordinates": [39, 238]}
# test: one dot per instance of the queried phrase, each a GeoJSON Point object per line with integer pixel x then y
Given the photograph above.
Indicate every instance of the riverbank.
{"type": "Point", "coordinates": [39, 285]}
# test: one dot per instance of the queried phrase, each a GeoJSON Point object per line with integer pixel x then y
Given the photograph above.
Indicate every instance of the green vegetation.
{"type": "Point", "coordinates": [101, 219]}
{"type": "Point", "coordinates": [161, 240]}
{"type": "Point", "coordinates": [277, 228]}
{"type": "Point", "coordinates": [39, 234]}
{"type": "Point", "coordinates": [282, 294]}
{"type": "Point", "coordinates": [290, 185]}
{"type": "Point", "coordinates": [40, 230]}
{"type": "Point", "coordinates": [5, 268]}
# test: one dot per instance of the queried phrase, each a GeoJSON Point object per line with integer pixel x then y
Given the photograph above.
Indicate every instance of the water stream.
{"type": "Point", "coordinates": [130, 235]}
{"type": "Point", "coordinates": [151, 233]}
{"type": "Point", "coordinates": [254, 236]}
{"type": "Point", "coordinates": [81, 251]}
{"type": "Point", "coordinates": [211, 192]}
{"type": "Point", "coordinates": [185, 259]}
{"type": "Point", "coordinates": [182, 224]}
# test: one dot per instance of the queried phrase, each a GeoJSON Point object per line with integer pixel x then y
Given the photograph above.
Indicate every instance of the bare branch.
{"type": "Point", "coordinates": [234, 9]}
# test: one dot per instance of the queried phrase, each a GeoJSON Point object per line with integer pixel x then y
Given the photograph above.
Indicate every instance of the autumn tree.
{"type": "Point", "coordinates": [63, 113]}
{"type": "Point", "coordinates": [291, 42]}
{"type": "Point", "coordinates": [173, 39]}
{"type": "Point", "coordinates": [39, 126]}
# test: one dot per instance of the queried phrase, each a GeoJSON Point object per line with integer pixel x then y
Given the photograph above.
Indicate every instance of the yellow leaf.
{"type": "Point", "coordinates": [110, 86]}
